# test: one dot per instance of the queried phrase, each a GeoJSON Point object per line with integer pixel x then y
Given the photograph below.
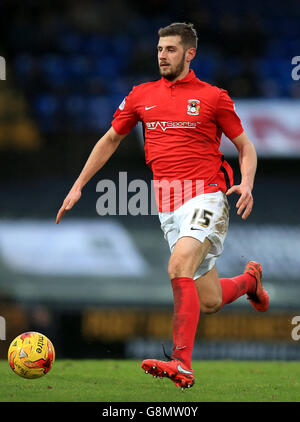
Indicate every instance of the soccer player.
{"type": "Point", "coordinates": [183, 120]}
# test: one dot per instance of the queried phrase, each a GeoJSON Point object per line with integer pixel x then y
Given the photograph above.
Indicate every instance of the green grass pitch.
{"type": "Point", "coordinates": [125, 381]}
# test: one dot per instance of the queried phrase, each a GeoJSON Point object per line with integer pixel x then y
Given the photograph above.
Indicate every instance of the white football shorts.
{"type": "Point", "coordinates": [206, 215]}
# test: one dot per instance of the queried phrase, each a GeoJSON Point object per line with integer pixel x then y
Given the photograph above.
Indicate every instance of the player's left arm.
{"type": "Point", "coordinates": [248, 165]}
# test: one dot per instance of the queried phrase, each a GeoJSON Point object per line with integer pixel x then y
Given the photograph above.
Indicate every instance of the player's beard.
{"type": "Point", "coordinates": [174, 73]}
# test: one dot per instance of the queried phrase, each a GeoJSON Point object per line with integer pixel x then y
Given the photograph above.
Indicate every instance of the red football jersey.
{"type": "Point", "coordinates": [183, 122]}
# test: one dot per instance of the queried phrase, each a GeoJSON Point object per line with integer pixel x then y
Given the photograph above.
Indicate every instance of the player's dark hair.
{"type": "Point", "coordinates": [186, 31]}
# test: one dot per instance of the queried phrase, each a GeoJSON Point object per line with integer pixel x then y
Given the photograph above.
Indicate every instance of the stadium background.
{"type": "Point", "coordinates": [98, 286]}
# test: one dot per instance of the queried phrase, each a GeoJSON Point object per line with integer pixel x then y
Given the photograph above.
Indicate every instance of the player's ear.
{"type": "Point", "coordinates": [190, 54]}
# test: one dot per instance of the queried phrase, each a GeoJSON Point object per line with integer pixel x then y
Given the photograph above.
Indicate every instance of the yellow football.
{"type": "Point", "coordinates": [31, 355]}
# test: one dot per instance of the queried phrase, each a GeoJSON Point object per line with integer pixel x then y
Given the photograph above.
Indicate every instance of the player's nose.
{"type": "Point", "coordinates": [162, 54]}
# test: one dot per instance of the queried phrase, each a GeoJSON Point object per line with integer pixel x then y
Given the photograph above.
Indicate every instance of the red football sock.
{"type": "Point", "coordinates": [185, 318]}
{"type": "Point", "coordinates": [235, 287]}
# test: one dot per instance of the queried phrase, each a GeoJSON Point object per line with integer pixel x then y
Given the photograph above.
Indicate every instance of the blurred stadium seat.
{"type": "Point", "coordinates": [73, 57]}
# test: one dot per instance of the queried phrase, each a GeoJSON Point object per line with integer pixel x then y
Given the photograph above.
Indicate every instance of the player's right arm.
{"type": "Point", "coordinates": [100, 154]}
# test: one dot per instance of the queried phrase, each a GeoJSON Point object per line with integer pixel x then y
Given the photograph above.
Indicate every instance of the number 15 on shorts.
{"type": "Point", "coordinates": [201, 217]}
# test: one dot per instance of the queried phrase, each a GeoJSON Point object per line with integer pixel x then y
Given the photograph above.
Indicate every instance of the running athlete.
{"type": "Point", "coordinates": [183, 120]}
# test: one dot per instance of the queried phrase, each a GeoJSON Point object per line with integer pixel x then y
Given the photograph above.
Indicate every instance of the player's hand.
{"type": "Point", "coordinates": [69, 202]}
{"type": "Point", "coordinates": [245, 202]}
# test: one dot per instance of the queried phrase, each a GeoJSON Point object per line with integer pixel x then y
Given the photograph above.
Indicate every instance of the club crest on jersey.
{"type": "Point", "coordinates": [193, 107]}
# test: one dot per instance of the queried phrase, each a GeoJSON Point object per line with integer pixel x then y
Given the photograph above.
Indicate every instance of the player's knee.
{"type": "Point", "coordinates": [172, 271]}
{"type": "Point", "coordinates": [181, 265]}
{"type": "Point", "coordinates": [210, 305]}
{"type": "Point", "coordinates": [178, 268]}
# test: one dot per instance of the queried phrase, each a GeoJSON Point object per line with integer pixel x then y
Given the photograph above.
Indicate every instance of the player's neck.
{"type": "Point", "coordinates": [182, 75]}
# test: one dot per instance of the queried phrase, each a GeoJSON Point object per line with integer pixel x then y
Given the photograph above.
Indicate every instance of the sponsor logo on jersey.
{"type": "Point", "coordinates": [193, 107]}
{"type": "Point", "coordinates": [171, 125]}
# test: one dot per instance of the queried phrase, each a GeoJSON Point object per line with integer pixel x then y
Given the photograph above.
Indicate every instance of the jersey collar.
{"type": "Point", "coordinates": [189, 77]}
